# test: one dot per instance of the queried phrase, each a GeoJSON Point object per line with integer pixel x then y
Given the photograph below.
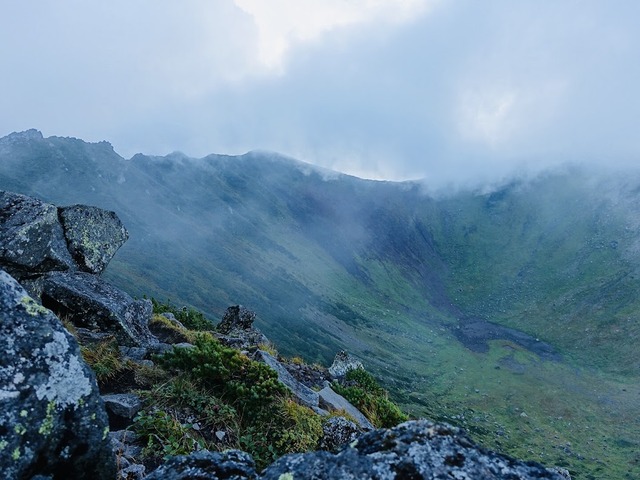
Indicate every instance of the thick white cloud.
{"type": "Point", "coordinates": [390, 89]}
{"type": "Point", "coordinates": [283, 23]}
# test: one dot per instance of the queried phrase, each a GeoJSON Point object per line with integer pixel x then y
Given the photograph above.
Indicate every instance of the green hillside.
{"type": "Point", "coordinates": [512, 312]}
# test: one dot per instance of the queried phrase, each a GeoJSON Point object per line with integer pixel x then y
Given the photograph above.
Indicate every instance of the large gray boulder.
{"type": "Point", "coordinates": [338, 432]}
{"type": "Point", "coordinates": [415, 450]}
{"type": "Point", "coordinates": [236, 329]}
{"type": "Point", "coordinates": [236, 317]}
{"type": "Point", "coordinates": [332, 401]}
{"type": "Point", "coordinates": [304, 394]}
{"type": "Point", "coordinates": [52, 420]}
{"type": "Point", "coordinates": [229, 465]}
{"type": "Point", "coordinates": [31, 238]}
{"type": "Point", "coordinates": [343, 363]}
{"type": "Point", "coordinates": [90, 302]}
{"type": "Point", "coordinates": [37, 237]}
{"type": "Point", "coordinates": [93, 236]}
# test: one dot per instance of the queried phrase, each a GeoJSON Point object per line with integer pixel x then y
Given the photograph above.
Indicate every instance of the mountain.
{"type": "Point", "coordinates": [510, 311]}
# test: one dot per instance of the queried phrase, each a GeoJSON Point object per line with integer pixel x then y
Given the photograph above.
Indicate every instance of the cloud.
{"type": "Point", "coordinates": [451, 91]}
{"type": "Point", "coordinates": [283, 23]}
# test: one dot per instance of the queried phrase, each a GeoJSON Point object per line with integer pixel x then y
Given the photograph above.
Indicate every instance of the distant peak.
{"type": "Point", "coordinates": [31, 134]}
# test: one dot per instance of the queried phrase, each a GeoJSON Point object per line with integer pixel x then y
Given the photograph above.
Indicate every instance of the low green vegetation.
{"type": "Point", "coordinates": [188, 316]}
{"type": "Point", "coordinates": [210, 396]}
{"type": "Point", "coordinates": [104, 359]}
{"type": "Point", "coordinates": [364, 392]}
{"type": "Point", "coordinates": [249, 386]}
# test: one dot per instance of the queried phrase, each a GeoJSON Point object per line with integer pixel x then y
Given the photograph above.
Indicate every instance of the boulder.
{"type": "Point", "coordinates": [52, 420]}
{"type": "Point", "coordinates": [124, 405]}
{"type": "Point", "coordinates": [338, 432]}
{"type": "Point", "coordinates": [417, 450]}
{"type": "Point", "coordinates": [313, 376]}
{"type": "Point", "coordinates": [236, 329]}
{"type": "Point", "coordinates": [331, 400]}
{"type": "Point", "coordinates": [93, 236]}
{"type": "Point", "coordinates": [342, 363]}
{"type": "Point", "coordinates": [304, 394]}
{"type": "Point", "coordinates": [90, 302]}
{"type": "Point", "coordinates": [229, 465]}
{"type": "Point", "coordinates": [236, 317]}
{"type": "Point", "coordinates": [166, 331]}
{"type": "Point", "coordinates": [31, 238]}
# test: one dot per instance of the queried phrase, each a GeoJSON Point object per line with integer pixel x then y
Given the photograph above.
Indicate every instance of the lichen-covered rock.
{"type": "Point", "coordinates": [90, 302]}
{"type": "Point", "coordinates": [415, 450]}
{"type": "Point", "coordinates": [313, 376]}
{"type": "Point", "coordinates": [304, 394]}
{"type": "Point", "coordinates": [128, 451]}
{"type": "Point", "coordinates": [342, 363]}
{"type": "Point", "coordinates": [236, 317]}
{"type": "Point", "coordinates": [52, 420]}
{"type": "Point", "coordinates": [338, 432]}
{"type": "Point", "coordinates": [31, 237]}
{"type": "Point", "coordinates": [331, 400]}
{"type": "Point", "coordinates": [236, 329]}
{"type": "Point", "coordinates": [229, 465]}
{"type": "Point", "coordinates": [93, 236]}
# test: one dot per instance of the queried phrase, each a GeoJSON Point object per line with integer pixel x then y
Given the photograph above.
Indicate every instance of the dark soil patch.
{"type": "Point", "coordinates": [474, 333]}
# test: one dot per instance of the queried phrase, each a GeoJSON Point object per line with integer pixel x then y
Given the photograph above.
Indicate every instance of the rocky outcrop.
{"type": "Point", "coordinates": [313, 376]}
{"type": "Point", "coordinates": [56, 254]}
{"type": "Point", "coordinates": [236, 317]}
{"type": "Point", "coordinates": [92, 303]}
{"type": "Point", "coordinates": [31, 237]}
{"type": "Point", "coordinates": [37, 237]}
{"type": "Point", "coordinates": [338, 432]}
{"type": "Point", "coordinates": [229, 465]}
{"type": "Point", "coordinates": [342, 363]}
{"type": "Point", "coordinates": [416, 450]}
{"type": "Point", "coordinates": [93, 236]}
{"type": "Point", "coordinates": [52, 420]}
{"type": "Point", "coordinates": [302, 393]}
{"type": "Point", "coordinates": [236, 329]}
{"type": "Point", "coordinates": [333, 401]}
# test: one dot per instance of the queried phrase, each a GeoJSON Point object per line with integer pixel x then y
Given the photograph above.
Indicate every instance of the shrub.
{"type": "Point", "coordinates": [198, 404]}
{"type": "Point", "coordinates": [246, 384]}
{"type": "Point", "coordinates": [364, 392]}
{"type": "Point", "coordinates": [301, 427]}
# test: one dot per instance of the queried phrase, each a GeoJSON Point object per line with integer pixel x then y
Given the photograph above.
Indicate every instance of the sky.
{"type": "Point", "coordinates": [452, 91]}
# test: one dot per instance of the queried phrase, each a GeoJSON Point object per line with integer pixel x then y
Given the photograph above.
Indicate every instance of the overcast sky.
{"type": "Point", "coordinates": [448, 90]}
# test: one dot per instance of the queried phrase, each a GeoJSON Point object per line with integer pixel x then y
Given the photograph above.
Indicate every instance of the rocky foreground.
{"type": "Point", "coordinates": [56, 423]}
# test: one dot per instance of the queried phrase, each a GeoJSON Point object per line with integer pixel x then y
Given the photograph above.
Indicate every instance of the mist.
{"type": "Point", "coordinates": [450, 92]}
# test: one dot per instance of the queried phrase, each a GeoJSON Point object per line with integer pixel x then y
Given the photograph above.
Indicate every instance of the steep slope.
{"type": "Point", "coordinates": [280, 235]}
{"type": "Point", "coordinates": [477, 307]}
